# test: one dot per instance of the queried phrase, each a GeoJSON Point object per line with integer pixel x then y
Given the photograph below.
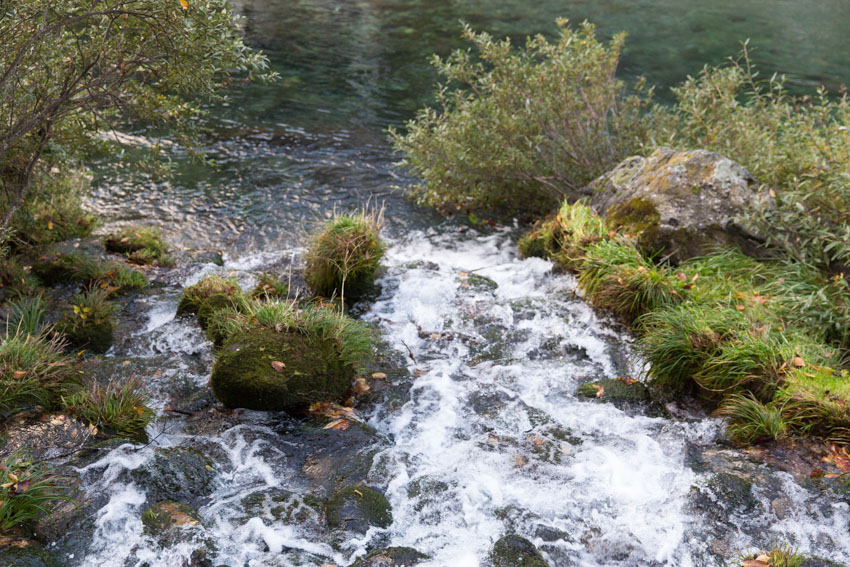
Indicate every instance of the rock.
{"type": "Point", "coordinates": [166, 521]}
{"type": "Point", "coordinates": [206, 257]}
{"type": "Point", "coordinates": [95, 335]}
{"type": "Point", "coordinates": [356, 508]}
{"type": "Point", "coordinates": [681, 204]}
{"type": "Point", "coordinates": [312, 371]}
{"type": "Point", "coordinates": [620, 392]}
{"type": "Point", "coordinates": [283, 506]}
{"type": "Point", "coordinates": [182, 474]}
{"type": "Point", "coordinates": [391, 557]}
{"type": "Point", "coordinates": [515, 551]}
{"type": "Point", "coordinates": [24, 553]}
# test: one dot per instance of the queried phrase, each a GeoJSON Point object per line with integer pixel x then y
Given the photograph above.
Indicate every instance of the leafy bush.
{"type": "Point", "coordinates": [798, 146]}
{"type": "Point", "coordinates": [344, 255]}
{"type": "Point", "coordinates": [27, 492]}
{"type": "Point", "coordinates": [113, 409]}
{"type": "Point", "coordinates": [518, 129]}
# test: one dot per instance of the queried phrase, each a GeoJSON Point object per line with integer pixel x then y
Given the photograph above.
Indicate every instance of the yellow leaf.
{"type": "Point", "coordinates": [379, 376]}
{"type": "Point", "coordinates": [185, 4]}
{"type": "Point", "coordinates": [358, 493]}
{"type": "Point", "coordinates": [49, 225]}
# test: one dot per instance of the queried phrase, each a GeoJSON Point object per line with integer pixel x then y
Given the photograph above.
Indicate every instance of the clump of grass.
{"type": "Point", "coordinates": [782, 555]}
{"type": "Point", "coordinates": [616, 276]}
{"type": "Point", "coordinates": [344, 255]}
{"type": "Point", "coordinates": [140, 246]}
{"type": "Point", "coordinates": [816, 398]}
{"type": "Point", "coordinates": [114, 409]}
{"type": "Point", "coordinates": [270, 287]}
{"type": "Point", "coordinates": [33, 371]}
{"type": "Point", "coordinates": [195, 295]}
{"type": "Point", "coordinates": [751, 421]}
{"type": "Point", "coordinates": [28, 492]}
{"type": "Point", "coordinates": [26, 315]}
{"type": "Point", "coordinates": [76, 266]}
{"type": "Point", "coordinates": [565, 237]}
{"type": "Point", "coordinates": [89, 323]}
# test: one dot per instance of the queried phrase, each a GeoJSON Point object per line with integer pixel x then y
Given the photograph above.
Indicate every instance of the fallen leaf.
{"type": "Point", "coordinates": [754, 563]}
{"type": "Point", "coordinates": [338, 425]}
{"type": "Point", "coordinates": [600, 391]}
{"type": "Point", "coordinates": [682, 277]}
{"type": "Point", "coordinates": [772, 193]}
{"type": "Point", "coordinates": [816, 473]}
{"type": "Point", "coordinates": [627, 380]}
{"type": "Point", "coordinates": [520, 461]}
{"type": "Point", "coordinates": [278, 366]}
{"type": "Point", "coordinates": [358, 493]}
{"type": "Point", "coordinates": [798, 362]}
{"type": "Point", "coordinates": [537, 441]}
{"type": "Point", "coordinates": [125, 363]}
{"type": "Point", "coordinates": [763, 558]}
{"type": "Point", "coordinates": [360, 387]}
{"type": "Point", "coordinates": [435, 336]}
{"type": "Point", "coordinates": [740, 307]}
{"type": "Point", "coordinates": [157, 374]}
{"type": "Point", "coordinates": [18, 374]}
{"type": "Point", "coordinates": [379, 376]}
{"type": "Point", "coordinates": [185, 4]}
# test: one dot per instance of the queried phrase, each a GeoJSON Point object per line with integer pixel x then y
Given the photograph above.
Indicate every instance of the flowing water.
{"type": "Point", "coordinates": [479, 431]}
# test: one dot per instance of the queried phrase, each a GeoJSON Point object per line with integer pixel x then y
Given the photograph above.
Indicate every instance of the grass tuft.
{"type": "Point", "coordinates": [140, 246]}
{"type": "Point", "coordinates": [33, 371]}
{"type": "Point", "coordinates": [115, 409]}
{"type": "Point", "coordinates": [28, 492]}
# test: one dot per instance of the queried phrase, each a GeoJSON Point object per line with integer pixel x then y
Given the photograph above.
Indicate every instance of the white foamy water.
{"type": "Point", "coordinates": [493, 440]}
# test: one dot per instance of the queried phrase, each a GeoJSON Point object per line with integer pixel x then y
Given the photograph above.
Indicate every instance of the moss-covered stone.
{"type": "Point", "coordinates": [140, 246]}
{"type": "Point", "coordinates": [621, 392]}
{"type": "Point", "coordinates": [26, 553]}
{"type": "Point", "coordinates": [305, 370]}
{"type": "Point", "coordinates": [179, 474]}
{"type": "Point", "coordinates": [639, 218]}
{"type": "Point", "coordinates": [194, 296]}
{"type": "Point", "coordinates": [163, 516]}
{"type": "Point", "coordinates": [515, 551]}
{"type": "Point", "coordinates": [269, 286]}
{"type": "Point", "coordinates": [214, 303]}
{"type": "Point", "coordinates": [94, 336]}
{"type": "Point", "coordinates": [357, 508]}
{"type": "Point", "coordinates": [391, 557]}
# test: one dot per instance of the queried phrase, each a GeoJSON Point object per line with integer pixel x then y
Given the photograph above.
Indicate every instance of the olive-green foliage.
{"type": "Point", "coordinates": [270, 287]}
{"type": "Point", "coordinates": [194, 295]}
{"type": "Point", "coordinates": [89, 321]}
{"type": "Point", "coordinates": [345, 253]}
{"type": "Point", "coordinates": [798, 146]}
{"type": "Point", "coordinates": [15, 280]}
{"type": "Point", "coordinates": [140, 246]}
{"type": "Point", "coordinates": [117, 409]}
{"type": "Point", "coordinates": [751, 421]}
{"type": "Point", "coordinates": [53, 211]}
{"type": "Point", "coordinates": [26, 315]}
{"type": "Point", "coordinates": [33, 371]}
{"type": "Point", "coordinates": [516, 129]}
{"type": "Point", "coordinates": [28, 492]}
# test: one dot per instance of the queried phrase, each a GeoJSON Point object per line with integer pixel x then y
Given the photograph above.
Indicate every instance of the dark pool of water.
{"type": "Point", "coordinates": [287, 154]}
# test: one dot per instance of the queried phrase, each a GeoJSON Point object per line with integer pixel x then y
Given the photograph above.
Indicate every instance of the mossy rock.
{"type": "Point", "coordinates": [180, 474]}
{"type": "Point", "coordinates": [195, 295]}
{"type": "Point", "coordinates": [391, 557]}
{"type": "Point", "coordinates": [620, 392]}
{"type": "Point", "coordinates": [515, 551]}
{"type": "Point", "coordinates": [26, 553]}
{"type": "Point", "coordinates": [214, 303]}
{"type": "Point", "coordinates": [305, 370]}
{"type": "Point", "coordinates": [269, 286]}
{"type": "Point", "coordinates": [478, 282]}
{"type": "Point", "coordinates": [161, 518]}
{"type": "Point", "coordinates": [94, 336]}
{"type": "Point", "coordinates": [356, 508]}
{"type": "Point", "coordinates": [140, 246]}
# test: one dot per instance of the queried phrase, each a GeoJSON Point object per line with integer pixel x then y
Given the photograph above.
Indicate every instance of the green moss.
{"type": "Point", "coordinates": [59, 268]}
{"type": "Point", "coordinates": [269, 286]}
{"type": "Point", "coordinates": [94, 336]}
{"type": "Point", "coordinates": [616, 390]}
{"type": "Point", "coordinates": [371, 505]}
{"type": "Point", "coordinates": [516, 551]}
{"type": "Point", "coordinates": [140, 246]}
{"type": "Point", "coordinates": [638, 218]}
{"type": "Point", "coordinates": [312, 371]}
{"type": "Point", "coordinates": [163, 516]}
{"type": "Point", "coordinates": [194, 295]}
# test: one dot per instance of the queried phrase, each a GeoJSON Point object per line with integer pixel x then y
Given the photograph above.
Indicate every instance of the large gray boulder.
{"type": "Point", "coordinates": [681, 204]}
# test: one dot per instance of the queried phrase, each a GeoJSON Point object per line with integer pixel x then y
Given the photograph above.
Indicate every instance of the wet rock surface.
{"type": "Point", "coordinates": [357, 508]}
{"type": "Point", "coordinates": [516, 551]}
{"type": "Point", "coordinates": [183, 474]}
{"type": "Point", "coordinates": [681, 204]}
{"type": "Point", "coordinates": [391, 557]}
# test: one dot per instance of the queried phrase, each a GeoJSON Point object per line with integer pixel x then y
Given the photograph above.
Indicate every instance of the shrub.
{"type": "Point", "coordinates": [344, 255]}
{"type": "Point", "coordinates": [140, 246]}
{"type": "Point", "coordinates": [89, 323]}
{"type": "Point", "coordinates": [113, 409]}
{"type": "Point", "coordinates": [798, 146]}
{"type": "Point", "coordinates": [518, 129]}
{"type": "Point", "coordinates": [33, 371]}
{"type": "Point", "coordinates": [27, 492]}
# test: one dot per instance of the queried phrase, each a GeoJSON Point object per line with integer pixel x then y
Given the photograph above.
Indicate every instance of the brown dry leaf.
{"type": "Point", "coordinates": [816, 473]}
{"type": "Point", "coordinates": [520, 461]}
{"type": "Point", "coordinates": [682, 277]}
{"type": "Point", "coordinates": [125, 363]}
{"type": "Point", "coordinates": [537, 441]}
{"type": "Point", "coordinates": [419, 372]}
{"type": "Point", "coordinates": [740, 307]}
{"type": "Point", "coordinates": [763, 557]}
{"type": "Point", "coordinates": [798, 361]}
{"type": "Point", "coordinates": [18, 374]}
{"type": "Point", "coordinates": [278, 366]}
{"type": "Point", "coordinates": [436, 336]}
{"type": "Point", "coordinates": [695, 278]}
{"type": "Point", "coordinates": [760, 299]}
{"type": "Point", "coordinates": [185, 4]}
{"type": "Point", "coordinates": [754, 563]}
{"type": "Point", "coordinates": [332, 411]}
{"type": "Point", "coordinates": [627, 380]}
{"type": "Point", "coordinates": [600, 391]}
{"type": "Point", "coordinates": [772, 193]}
{"type": "Point", "coordinates": [157, 374]}
{"type": "Point", "coordinates": [360, 387]}
{"type": "Point", "coordinates": [338, 425]}
{"type": "Point", "coordinates": [379, 376]}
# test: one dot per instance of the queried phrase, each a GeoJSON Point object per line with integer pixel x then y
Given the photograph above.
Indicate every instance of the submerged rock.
{"type": "Point", "coordinates": [25, 553]}
{"type": "Point", "coordinates": [515, 551]}
{"type": "Point", "coordinates": [356, 508]}
{"type": "Point", "coordinates": [182, 474]}
{"type": "Point", "coordinates": [266, 370]}
{"type": "Point", "coordinates": [165, 521]}
{"type": "Point", "coordinates": [681, 204]}
{"type": "Point", "coordinates": [621, 392]}
{"type": "Point", "coordinates": [391, 557]}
